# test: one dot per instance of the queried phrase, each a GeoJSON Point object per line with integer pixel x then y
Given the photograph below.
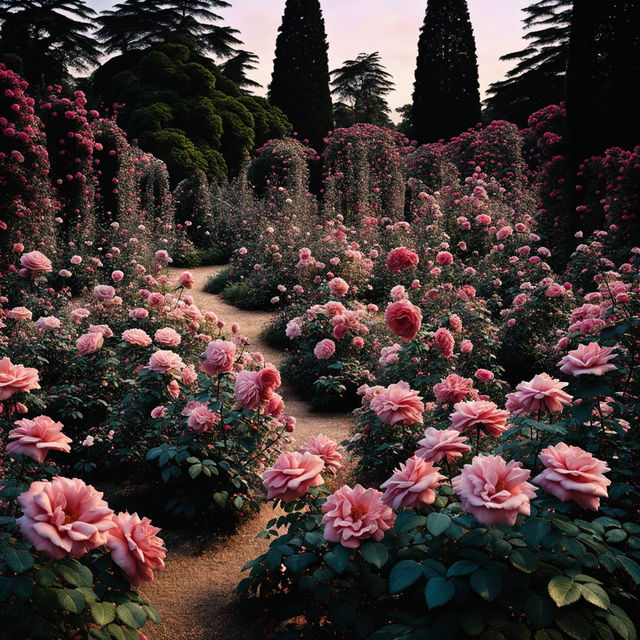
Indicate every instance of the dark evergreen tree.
{"type": "Point", "coordinates": [446, 98]}
{"type": "Point", "coordinates": [300, 80]}
{"type": "Point", "coordinates": [236, 68]}
{"type": "Point", "coordinates": [538, 77]}
{"type": "Point", "coordinates": [52, 37]}
{"type": "Point", "coordinates": [406, 120]}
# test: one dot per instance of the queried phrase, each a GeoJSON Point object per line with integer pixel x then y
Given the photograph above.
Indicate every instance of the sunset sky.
{"type": "Point", "coordinates": [388, 26]}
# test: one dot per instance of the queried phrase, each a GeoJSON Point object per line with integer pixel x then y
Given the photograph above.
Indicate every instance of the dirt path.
{"type": "Point", "coordinates": [193, 593]}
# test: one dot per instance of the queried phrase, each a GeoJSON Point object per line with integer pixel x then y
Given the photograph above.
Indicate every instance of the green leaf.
{"type": "Point", "coordinates": [18, 560]}
{"type": "Point", "coordinates": [621, 624]}
{"type": "Point", "coordinates": [539, 611]}
{"type": "Point", "coordinates": [403, 575]}
{"type": "Point", "coordinates": [103, 612]}
{"type": "Point", "coordinates": [132, 614]}
{"type": "Point", "coordinates": [563, 590]}
{"type": "Point", "coordinates": [74, 573]}
{"type": "Point", "coordinates": [375, 553]}
{"type": "Point", "coordinates": [574, 625]}
{"type": "Point", "coordinates": [70, 600]}
{"type": "Point", "coordinates": [472, 621]}
{"type": "Point", "coordinates": [595, 594]}
{"type": "Point", "coordinates": [300, 561]}
{"type": "Point", "coordinates": [548, 634]}
{"type": "Point", "coordinates": [437, 523]}
{"type": "Point", "coordinates": [524, 560]}
{"type": "Point", "coordinates": [438, 592]}
{"type": "Point", "coordinates": [220, 498]}
{"type": "Point", "coordinates": [195, 470]}
{"type": "Point", "coordinates": [486, 584]}
{"type": "Point", "coordinates": [238, 502]}
{"type": "Point", "coordinates": [116, 631]}
{"type": "Point", "coordinates": [631, 567]}
{"type": "Point", "coordinates": [461, 568]}
{"type": "Point", "coordinates": [338, 559]}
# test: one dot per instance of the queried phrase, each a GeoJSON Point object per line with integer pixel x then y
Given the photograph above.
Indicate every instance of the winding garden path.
{"type": "Point", "coordinates": [195, 590]}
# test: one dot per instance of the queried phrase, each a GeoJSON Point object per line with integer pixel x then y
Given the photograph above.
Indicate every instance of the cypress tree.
{"type": "Point", "coordinates": [300, 80]}
{"type": "Point", "coordinates": [446, 98]}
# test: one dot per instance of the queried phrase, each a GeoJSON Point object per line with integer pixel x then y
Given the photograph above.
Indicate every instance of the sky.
{"type": "Point", "coordinates": [388, 26]}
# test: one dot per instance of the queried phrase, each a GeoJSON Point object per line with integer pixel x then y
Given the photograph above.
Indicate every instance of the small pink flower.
{"type": "Point", "coordinates": [137, 337]}
{"type": "Point", "coordinates": [442, 443]}
{"type": "Point", "coordinates": [493, 490]}
{"type": "Point", "coordinates": [444, 258]}
{"type": "Point", "coordinates": [573, 474]}
{"type": "Point", "coordinates": [136, 547]}
{"type": "Point", "coordinates": [338, 287]}
{"type": "Point", "coordinates": [117, 275]}
{"type": "Point", "coordinates": [202, 419]}
{"type": "Point", "coordinates": [36, 437]}
{"type": "Point", "coordinates": [89, 343]}
{"type": "Point", "coordinates": [167, 337]}
{"type": "Point", "coordinates": [219, 357]}
{"type": "Point", "coordinates": [398, 403]}
{"type": "Point", "coordinates": [454, 388]}
{"type": "Point", "coordinates": [275, 406]}
{"type": "Point", "coordinates": [165, 362]}
{"type": "Point", "coordinates": [186, 280]}
{"type": "Point", "coordinates": [484, 375]}
{"type": "Point", "coordinates": [36, 262]}
{"type": "Point", "coordinates": [15, 378]}
{"type": "Point", "coordinates": [479, 414]}
{"type": "Point", "coordinates": [50, 323]}
{"type": "Point", "coordinates": [412, 485]}
{"type": "Point", "coordinates": [588, 359]}
{"type": "Point", "coordinates": [404, 319]}
{"type": "Point", "coordinates": [104, 292]}
{"type": "Point", "coordinates": [444, 342]}
{"type": "Point", "coordinates": [159, 411]}
{"type": "Point", "coordinates": [173, 389]}
{"type": "Point", "coordinates": [353, 515]}
{"type": "Point", "coordinates": [293, 330]}
{"type": "Point", "coordinates": [188, 375]}
{"type": "Point", "coordinates": [326, 448]}
{"type": "Point", "coordinates": [324, 349]}
{"type": "Point", "coordinates": [541, 393]}
{"type": "Point", "coordinates": [292, 474]}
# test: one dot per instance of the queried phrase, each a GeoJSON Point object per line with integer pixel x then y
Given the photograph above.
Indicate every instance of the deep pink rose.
{"type": "Point", "coordinates": [353, 515]}
{"type": "Point", "coordinates": [573, 474]}
{"type": "Point", "coordinates": [64, 517]}
{"type": "Point", "coordinates": [542, 393]}
{"type": "Point", "coordinates": [591, 359]}
{"type": "Point", "coordinates": [36, 262]}
{"type": "Point", "coordinates": [404, 319]}
{"type": "Point", "coordinates": [398, 403]}
{"type": "Point", "coordinates": [454, 388]}
{"type": "Point", "coordinates": [14, 378]}
{"type": "Point", "coordinates": [219, 357]}
{"type": "Point", "coordinates": [401, 258]}
{"type": "Point", "coordinates": [165, 362]}
{"type": "Point", "coordinates": [444, 258]}
{"type": "Point", "coordinates": [324, 349]}
{"type": "Point", "coordinates": [479, 414]}
{"type": "Point", "coordinates": [493, 490]}
{"type": "Point", "coordinates": [444, 342]}
{"type": "Point", "coordinates": [412, 485]}
{"type": "Point", "coordinates": [248, 391]}
{"type": "Point", "coordinates": [292, 474]}
{"type": "Point", "coordinates": [326, 448]}
{"type": "Point", "coordinates": [137, 337]}
{"type": "Point", "coordinates": [36, 437]}
{"type": "Point", "coordinates": [136, 547]}
{"type": "Point", "coordinates": [89, 343]}
{"type": "Point", "coordinates": [275, 406]}
{"type": "Point", "coordinates": [442, 443]}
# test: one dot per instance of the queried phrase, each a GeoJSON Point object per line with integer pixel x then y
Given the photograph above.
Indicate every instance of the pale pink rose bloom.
{"type": "Point", "coordinates": [368, 393]}
{"type": "Point", "coordinates": [219, 357]}
{"type": "Point", "coordinates": [15, 378]}
{"type": "Point", "coordinates": [138, 313]}
{"type": "Point", "coordinates": [493, 490]}
{"type": "Point", "coordinates": [159, 411]}
{"type": "Point", "coordinates": [79, 314]}
{"type": "Point", "coordinates": [275, 406]}
{"type": "Point", "coordinates": [202, 419]}
{"type": "Point", "coordinates": [136, 547]}
{"type": "Point", "coordinates": [36, 437]}
{"type": "Point", "coordinates": [102, 329]}
{"type": "Point", "coordinates": [173, 389]}
{"type": "Point", "coordinates": [292, 330]}
{"type": "Point", "coordinates": [412, 485]}
{"type": "Point", "coordinates": [64, 517]}
{"type": "Point", "coordinates": [49, 322]}
{"type": "Point", "coordinates": [36, 262]}
{"type": "Point", "coordinates": [117, 275]}
{"type": "Point", "coordinates": [19, 313]}
{"type": "Point", "coordinates": [326, 448]}
{"type": "Point", "coordinates": [353, 515]}
{"type": "Point", "coordinates": [442, 443]}
{"type": "Point", "coordinates": [479, 414]}
{"type": "Point", "coordinates": [186, 280]}
{"type": "Point", "coordinates": [454, 388]}
{"type": "Point", "coordinates": [188, 375]}
{"type": "Point", "coordinates": [404, 319]}
{"type": "Point", "coordinates": [444, 342]}
{"type": "Point", "coordinates": [591, 359]}
{"type": "Point", "coordinates": [137, 337]}
{"type": "Point", "coordinates": [292, 474]}
{"type": "Point", "coordinates": [104, 292]}
{"type": "Point", "coordinates": [324, 349]}
{"type": "Point", "coordinates": [338, 287]}
{"type": "Point", "coordinates": [247, 389]}
{"type": "Point", "coordinates": [89, 343]}
{"type": "Point", "coordinates": [541, 393]}
{"type": "Point", "coordinates": [167, 337]}
{"type": "Point", "coordinates": [165, 362]}
{"type": "Point", "coordinates": [398, 403]}
{"type": "Point", "coordinates": [76, 260]}
{"type": "Point", "coordinates": [573, 474]}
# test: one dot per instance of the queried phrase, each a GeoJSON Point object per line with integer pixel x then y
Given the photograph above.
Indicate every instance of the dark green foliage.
{"type": "Point", "coordinates": [300, 81]}
{"type": "Point", "coordinates": [446, 99]}
{"type": "Point", "coordinates": [236, 67]}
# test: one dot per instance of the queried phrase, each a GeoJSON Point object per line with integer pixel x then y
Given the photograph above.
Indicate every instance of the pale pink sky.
{"type": "Point", "coordinates": [388, 26]}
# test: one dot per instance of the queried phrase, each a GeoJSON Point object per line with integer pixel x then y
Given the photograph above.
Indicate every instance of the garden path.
{"type": "Point", "coordinates": [195, 590]}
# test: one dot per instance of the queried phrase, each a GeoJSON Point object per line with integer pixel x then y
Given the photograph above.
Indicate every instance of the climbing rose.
{"type": "Point", "coordinates": [89, 343]}
{"type": "Point", "coordinates": [573, 474]}
{"type": "Point", "coordinates": [398, 403]}
{"type": "Point", "coordinates": [444, 342]}
{"type": "Point", "coordinates": [326, 448]}
{"type": "Point", "coordinates": [137, 337]}
{"type": "Point", "coordinates": [412, 485]}
{"type": "Point", "coordinates": [136, 547]}
{"type": "Point", "coordinates": [454, 388]}
{"type": "Point", "coordinates": [64, 516]}
{"type": "Point", "coordinates": [292, 474]}
{"type": "Point", "coordinates": [165, 362]}
{"type": "Point", "coordinates": [401, 258]}
{"type": "Point", "coordinates": [541, 393]}
{"type": "Point", "coordinates": [404, 319]}
{"type": "Point", "coordinates": [36, 437]}
{"type": "Point", "coordinates": [493, 490]}
{"type": "Point", "coordinates": [15, 378]}
{"type": "Point", "coordinates": [442, 443]}
{"type": "Point", "coordinates": [219, 357]}
{"type": "Point", "coordinates": [36, 262]}
{"type": "Point", "coordinates": [324, 349]}
{"type": "Point", "coordinates": [588, 359]}
{"type": "Point", "coordinates": [479, 414]}
{"type": "Point", "coordinates": [353, 515]}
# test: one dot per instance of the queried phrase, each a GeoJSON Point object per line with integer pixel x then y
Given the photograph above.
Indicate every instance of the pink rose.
{"type": "Point", "coordinates": [442, 443]}
{"type": "Point", "coordinates": [353, 515]}
{"type": "Point", "coordinates": [138, 313]}
{"type": "Point", "coordinates": [49, 323]}
{"type": "Point", "coordinates": [89, 343]}
{"type": "Point", "coordinates": [167, 337]}
{"type": "Point", "coordinates": [64, 517]}
{"type": "Point", "coordinates": [444, 258]}
{"type": "Point", "coordinates": [454, 388]}
{"type": "Point", "coordinates": [324, 349]}
{"type": "Point", "coordinates": [19, 313]}
{"type": "Point", "coordinates": [338, 287]}
{"type": "Point", "coordinates": [137, 337]}
{"type": "Point", "coordinates": [573, 474]}
{"type": "Point", "coordinates": [103, 329]}
{"type": "Point", "coordinates": [412, 485]}
{"type": "Point", "coordinates": [165, 362]}
{"type": "Point", "coordinates": [541, 393]}
{"type": "Point", "coordinates": [159, 411]}
{"type": "Point", "coordinates": [117, 275]}
{"type": "Point", "coordinates": [401, 258]}
{"type": "Point", "coordinates": [104, 292]}
{"type": "Point", "coordinates": [292, 330]}
{"type": "Point", "coordinates": [36, 262]}
{"type": "Point", "coordinates": [292, 474]}
{"type": "Point", "coordinates": [493, 490]}
{"type": "Point", "coordinates": [589, 359]}
{"type": "Point", "coordinates": [326, 448]}
{"type": "Point", "coordinates": [404, 319]}
{"type": "Point", "coordinates": [36, 437]}
{"type": "Point", "coordinates": [444, 342]}
{"type": "Point", "coordinates": [479, 414]}
{"type": "Point", "coordinates": [173, 389]}
{"type": "Point", "coordinates": [247, 389]}
{"type": "Point", "coordinates": [188, 375]}
{"type": "Point", "coordinates": [136, 547]}
{"type": "Point", "coordinates": [202, 419]}
{"type": "Point", "coordinates": [275, 406]}
{"type": "Point", "coordinates": [219, 357]}
{"type": "Point", "coordinates": [186, 280]}
{"type": "Point", "coordinates": [398, 403]}
{"type": "Point", "coordinates": [466, 346]}
{"type": "Point", "coordinates": [15, 378]}
{"type": "Point", "coordinates": [484, 375]}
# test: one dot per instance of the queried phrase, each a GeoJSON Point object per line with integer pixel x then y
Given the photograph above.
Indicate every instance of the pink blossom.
{"type": "Point", "coordinates": [219, 357]}
{"type": "Point", "coordinates": [404, 319]}
{"type": "Point", "coordinates": [275, 406]}
{"type": "Point", "coordinates": [484, 375]}
{"type": "Point", "coordinates": [188, 375]}
{"type": "Point", "coordinates": [588, 359]}
{"type": "Point", "coordinates": [479, 414]}
{"type": "Point", "coordinates": [202, 419]}
{"type": "Point", "coordinates": [326, 448]}
{"type": "Point", "coordinates": [454, 388]}
{"type": "Point", "coordinates": [186, 280]}
{"type": "Point", "coordinates": [338, 287]}
{"type": "Point", "coordinates": [36, 262]}
{"type": "Point", "coordinates": [36, 437]}
{"type": "Point", "coordinates": [165, 362]}
{"type": "Point", "coordinates": [117, 275]}
{"type": "Point", "coordinates": [442, 443]}
{"type": "Point", "coordinates": [89, 343]}
{"type": "Point", "coordinates": [159, 411]}
{"type": "Point", "coordinates": [49, 322]}
{"type": "Point", "coordinates": [444, 342]}
{"type": "Point", "coordinates": [138, 313]}
{"type": "Point", "coordinates": [19, 313]}
{"type": "Point", "coordinates": [444, 258]}
{"type": "Point", "coordinates": [167, 337]}
{"type": "Point", "coordinates": [292, 474]}
{"type": "Point", "coordinates": [104, 292]}
{"type": "Point", "coordinates": [541, 393]}
{"type": "Point", "coordinates": [293, 329]}
{"type": "Point", "coordinates": [15, 378]}
{"type": "Point", "coordinates": [324, 349]}
{"type": "Point", "coordinates": [137, 337]}
{"type": "Point", "coordinates": [398, 403]}
{"type": "Point", "coordinates": [412, 485]}
{"type": "Point", "coordinates": [401, 258]}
